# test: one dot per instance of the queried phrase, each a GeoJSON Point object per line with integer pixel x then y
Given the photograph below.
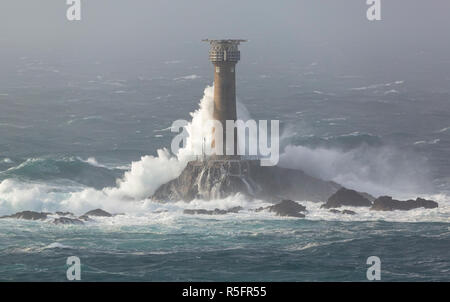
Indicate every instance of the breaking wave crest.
{"type": "Point", "coordinates": [85, 172]}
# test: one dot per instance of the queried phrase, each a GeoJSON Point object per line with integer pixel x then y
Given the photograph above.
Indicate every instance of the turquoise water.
{"type": "Point", "coordinates": [229, 249]}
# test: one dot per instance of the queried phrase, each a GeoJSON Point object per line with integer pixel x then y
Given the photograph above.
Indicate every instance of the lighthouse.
{"type": "Point", "coordinates": [224, 54]}
{"type": "Point", "coordinates": [222, 175]}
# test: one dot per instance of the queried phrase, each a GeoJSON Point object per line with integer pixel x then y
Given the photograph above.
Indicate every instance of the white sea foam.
{"type": "Point", "coordinates": [188, 77]}
{"type": "Point", "coordinates": [93, 162]}
{"type": "Point", "coordinates": [333, 119]}
{"type": "Point", "coordinates": [14, 126]}
{"type": "Point", "coordinates": [430, 142]}
{"type": "Point", "coordinates": [374, 86]}
{"type": "Point", "coordinates": [391, 91]}
{"type": "Point", "coordinates": [297, 247]}
{"type": "Point", "coordinates": [86, 118]}
{"type": "Point", "coordinates": [57, 245]}
{"type": "Point", "coordinates": [443, 130]}
{"type": "Point", "coordinates": [173, 62]}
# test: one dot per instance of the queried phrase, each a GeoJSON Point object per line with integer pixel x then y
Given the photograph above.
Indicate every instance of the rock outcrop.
{"type": "Point", "coordinates": [66, 220]}
{"type": "Point", "coordinates": [386, 203]}
{"type": "Point", "coordinates": [85, 218]}
{"type": "Point", "coordinates": [213, 179]}
{"type": "Point", "coordinates": [346, 197]}
{"type": "Point", "coordinates": [288, 208]}
{"type": "Point", "coordinates": [28, 215]}
{"type": "Point", "coordinates": [212, 212]}
{"type": "Point", "coordinates": [64, 213]}
{"type": "Point", "coordinates": [347, 212]}
{"type": "Point", "coordinates": [62, 219]}
{"type": "Point", "coordinates": [98, 213]}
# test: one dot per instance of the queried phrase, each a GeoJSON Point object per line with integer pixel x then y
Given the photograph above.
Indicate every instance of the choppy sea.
{"type": "Point", "coordinates": [79, 141]}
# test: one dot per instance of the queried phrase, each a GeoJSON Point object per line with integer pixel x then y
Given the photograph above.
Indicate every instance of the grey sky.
{"type": "Point", "coordinates": [413, 33]}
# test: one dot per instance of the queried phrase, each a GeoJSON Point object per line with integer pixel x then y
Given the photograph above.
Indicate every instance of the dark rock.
{"type": "Point", "coordinates": [235, 209]}
{"type": "Point", "coordinates": [97, 212]}
{"type": "Point", "coordinates": [160, 211]}
{"type": "Point", "coordinates": [288, 208]}
{"type": "Point", "coordinates": [212, 212]}
{"type": "Point", "coordinates": [65, 220]}
{"type": "Point", "coordinates": [64, 214]}
{"type": "Point", "coordinates": [213, 179]}
{"type": "Point", "coordinates": [348, 212]}
{"type": "Point", "coordinates": [85, 218]}
{"type": "Point", "coordinates": [346, 197]}
{"type": "Point", "coordinates": [28, 215]}
{"type": "Point", "coordinates": [367, 196]}
{"type": "Point", "coordinates": [386, 203]}
{"type": "Point", "coordinates": [197, 211]}
{"type": "Point", "coordinates": [335, 211]}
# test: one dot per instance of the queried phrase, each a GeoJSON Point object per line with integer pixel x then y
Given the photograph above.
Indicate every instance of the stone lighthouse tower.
{"type": "Point", "coordinates": [224, 54]}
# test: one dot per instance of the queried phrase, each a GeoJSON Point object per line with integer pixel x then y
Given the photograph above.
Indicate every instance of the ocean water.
{"type": "Point", "coordinates": [76, 141]}
{"type": "Point", "coordinates": [226, 249]}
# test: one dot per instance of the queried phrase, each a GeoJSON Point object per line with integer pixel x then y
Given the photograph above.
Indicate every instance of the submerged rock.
{"type": "Point", "coordinates": [98, 213]}
{"type": "Point", "coordinates": [212, 212]}
{"type": "Point", "coordinates": [28, 215]}
{"type": "Point", "coordinates": [66, 220]}
{"type": "Point", "coordinates": [288, 208]}
{"type": "Point", "coordinates": [160, 211]}
{"type": "Point", "coordinates": [85, 218]}
{"type": "Point", "coordinates": [215, 179]}
{"type": "Point", "coordinates": [348, 212]}
{"type": "Point", "coordinates": [386, 203]}
{"type": "Point", "coordinates": [346, 197]}
{"type": "Point", "coordinates": [64, 214]}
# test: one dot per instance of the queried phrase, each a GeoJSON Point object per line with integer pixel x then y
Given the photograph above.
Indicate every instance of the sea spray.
{"type": "Point", "coordinates": [376, 170]}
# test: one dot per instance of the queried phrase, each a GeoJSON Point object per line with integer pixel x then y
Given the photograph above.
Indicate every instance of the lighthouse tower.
{"type": "Point", "coordinates": [224, 54]}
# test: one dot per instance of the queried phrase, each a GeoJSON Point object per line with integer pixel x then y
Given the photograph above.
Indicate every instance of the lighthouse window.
{"type": "Point", "coordinates": [217, 69]}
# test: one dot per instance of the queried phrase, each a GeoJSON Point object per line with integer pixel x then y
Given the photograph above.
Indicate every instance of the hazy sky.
{"type": "Point", "coordinates": [412, 36]}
